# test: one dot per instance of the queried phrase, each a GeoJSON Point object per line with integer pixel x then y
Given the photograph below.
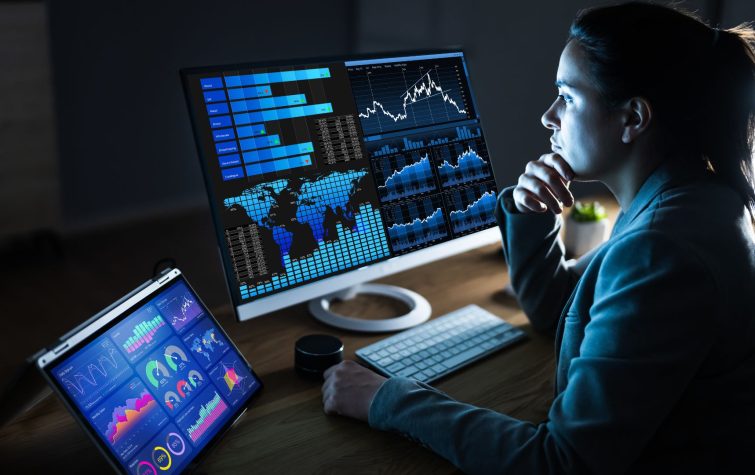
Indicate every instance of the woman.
{"type": "Point", "coordinates": [656, 328]}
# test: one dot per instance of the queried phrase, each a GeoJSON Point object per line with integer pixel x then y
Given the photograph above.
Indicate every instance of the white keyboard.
{"type": "Point", "coordinates": [441, 346]}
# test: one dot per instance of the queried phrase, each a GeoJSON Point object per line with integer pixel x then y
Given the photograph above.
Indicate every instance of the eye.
{"type": "Point", "coordinates": [565, 97]}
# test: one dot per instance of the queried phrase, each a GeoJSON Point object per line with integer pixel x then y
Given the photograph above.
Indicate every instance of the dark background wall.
{"type": "Point", "coordinates": [124, 146]}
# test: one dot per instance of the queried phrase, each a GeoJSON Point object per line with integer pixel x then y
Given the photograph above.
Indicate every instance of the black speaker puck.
{"type": "Point", "coordinates": [314, 354]}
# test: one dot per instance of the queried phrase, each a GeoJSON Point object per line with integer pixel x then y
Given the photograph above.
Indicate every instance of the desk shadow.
{"type": "Point", "coordinates": [505, 297]}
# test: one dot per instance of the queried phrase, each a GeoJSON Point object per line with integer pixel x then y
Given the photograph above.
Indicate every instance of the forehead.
{"type": "Point", "coordinates": [573, 67]}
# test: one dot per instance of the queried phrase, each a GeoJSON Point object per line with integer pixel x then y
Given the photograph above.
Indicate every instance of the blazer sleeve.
{"type": "Point", "coordinates": [536, 259]}
{"type": "Point", "coordinates": [649, 331]}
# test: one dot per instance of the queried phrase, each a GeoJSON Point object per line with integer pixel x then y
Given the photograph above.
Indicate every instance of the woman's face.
{"type": "Point", "coordinates": [586, 132]}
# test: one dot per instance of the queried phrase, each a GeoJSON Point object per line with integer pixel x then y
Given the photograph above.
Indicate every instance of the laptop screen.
{"type": "Point", "coordinates": [159, 383]}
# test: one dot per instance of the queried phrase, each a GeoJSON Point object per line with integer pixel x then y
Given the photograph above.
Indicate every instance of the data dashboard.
{"type": "Point", "coordinates": [319, 168]}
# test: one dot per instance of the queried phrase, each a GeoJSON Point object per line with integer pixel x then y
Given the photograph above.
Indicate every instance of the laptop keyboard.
{"type": "Point", "coordinates": [441, 346]}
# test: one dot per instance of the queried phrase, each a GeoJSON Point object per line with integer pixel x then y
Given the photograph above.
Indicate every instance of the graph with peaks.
{"type": "Point", "coordinates": [403, 176]}
{"type": "Point", "coordinates": [398, 96]}
{"type": "Point", "coordinates": [462, 163]}
{"type": "Point", "coordinates": [416, 223]}
{"type": "Point", "coordinates": [94, 372]}
{"type": "Point", "coordinates": [141, 332]}
{"type": "Point", "coordinates": [204, 413]}
{"type": "Point", "coordinates": [127, 418]}
{"type": "Point", "coordinates": [472, 208]}
{"type": "Point", "coordinates": [232, 376]}
{"type": "Point", "coordinates": [180, 306]}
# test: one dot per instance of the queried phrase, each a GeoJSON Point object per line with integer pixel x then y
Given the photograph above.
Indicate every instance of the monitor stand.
{"type": "Point", "coordinates": [420, 309]}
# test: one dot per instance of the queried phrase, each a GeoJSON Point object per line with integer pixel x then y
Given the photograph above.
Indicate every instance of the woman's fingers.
{"type": "Point", "coordinates": [526, 201]}
{"type": "Point", "coordinates": [531, 183]}
{"type": "Point", "coordinates": [554, 181]}
{"type": "Point", "coordinates": [544, 185]}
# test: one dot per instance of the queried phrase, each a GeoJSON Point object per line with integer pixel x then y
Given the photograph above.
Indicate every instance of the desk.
{"type": "Point", "coordinates": [286, 431]}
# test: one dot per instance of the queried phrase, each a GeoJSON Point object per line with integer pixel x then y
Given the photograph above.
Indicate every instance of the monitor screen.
{"type": "Point", "coordinates": [317, 169]}
{"type": "Point", "coordinates": [158, 384]}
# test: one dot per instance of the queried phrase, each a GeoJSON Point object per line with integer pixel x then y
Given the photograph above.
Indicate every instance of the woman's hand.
{"type": "Point", "coordinates": [544, 185]}
{"type": "Point", "coordinates": [349, 389]}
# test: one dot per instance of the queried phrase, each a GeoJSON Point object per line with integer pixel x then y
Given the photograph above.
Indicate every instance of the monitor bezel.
{"type": "Point", "coordinates": [266, 304]}
{"type": "Point", "coordinates": [95, 327]}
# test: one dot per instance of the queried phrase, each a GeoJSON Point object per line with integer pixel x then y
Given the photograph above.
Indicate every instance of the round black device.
{"type": "Point", "coordinates": [316, 353]}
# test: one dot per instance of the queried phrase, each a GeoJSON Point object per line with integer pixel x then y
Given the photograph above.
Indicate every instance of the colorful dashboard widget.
{"type": "Point", "coordinates": [93, 373]}
{"type": "Point", "coordinates": [179, 306]}
{"type": "Point", "coordinates": [128, 418]}
{"type": "Point", "coordinates": [206, 343]}
{"type": "Point", "coordinates": [138, 334]}
{"type": "Point", "coordinates": [207, 411]}
{"type": "Point", "coordinates": [233, 378]}
{"type": "Point", "coordinates": [167, 453]}
{"type": "Point", "coordinates": [171, 374]}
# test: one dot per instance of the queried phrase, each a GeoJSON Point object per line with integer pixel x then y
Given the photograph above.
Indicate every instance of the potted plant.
{"type": "Point", "coordinates": [585, 228]}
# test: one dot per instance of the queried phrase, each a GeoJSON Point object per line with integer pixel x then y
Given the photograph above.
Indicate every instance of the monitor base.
{"type": "Point", "coordinates": [420, 309]}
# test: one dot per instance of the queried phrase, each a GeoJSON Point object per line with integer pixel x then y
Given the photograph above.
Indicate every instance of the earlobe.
{"type": "Point", "coordinates": [636, 119]}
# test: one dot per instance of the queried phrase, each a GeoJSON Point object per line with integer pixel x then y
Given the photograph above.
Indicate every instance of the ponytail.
{"type": "Point", "coordinates": [728, 133]}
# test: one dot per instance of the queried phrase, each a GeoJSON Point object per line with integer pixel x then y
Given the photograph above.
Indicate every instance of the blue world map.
{"type": "Point", "coordinates": [302, 212]}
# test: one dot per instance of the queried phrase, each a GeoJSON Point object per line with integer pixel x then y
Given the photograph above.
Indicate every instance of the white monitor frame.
{"type": "Point", "coordinates": [326, 287]}
{"type": "Point", "coordinates": [370, 272]}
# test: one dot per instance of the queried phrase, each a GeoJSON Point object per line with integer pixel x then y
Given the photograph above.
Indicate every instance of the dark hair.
{"type": "Point", "coordinates": [699, 81]}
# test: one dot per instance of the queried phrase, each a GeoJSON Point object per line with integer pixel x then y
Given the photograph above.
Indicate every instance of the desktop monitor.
{"type": "Point", "coordinates": [325, 174]}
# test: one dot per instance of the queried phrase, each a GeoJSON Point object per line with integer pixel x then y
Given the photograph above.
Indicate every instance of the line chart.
{"type": "Point", "coordinates": [462, 163]}
{"type": "Point", "coordinates": [416, 224]}
{"type": "Point", "coordinates": [471, 208]}
{"type": "Point", "coordinates": [398, 96]}
{"type": "Point", "coordinates": [400, 176]}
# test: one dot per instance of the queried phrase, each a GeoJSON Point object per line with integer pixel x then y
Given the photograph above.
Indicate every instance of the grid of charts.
{"type": "Point", "coordinates": [323, 168]}
{"type": "Point", "coordinates": [159, 384]}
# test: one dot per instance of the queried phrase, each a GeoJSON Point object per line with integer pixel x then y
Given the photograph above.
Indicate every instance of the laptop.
{"type": "Point", "coordinates": [153, 379]}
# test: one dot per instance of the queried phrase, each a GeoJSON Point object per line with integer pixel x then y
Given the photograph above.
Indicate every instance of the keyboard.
{"type": "Point", "coordinates": [441, 346]}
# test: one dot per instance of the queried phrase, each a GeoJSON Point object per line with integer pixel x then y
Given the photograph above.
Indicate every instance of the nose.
{"type": "Point", "coordinates": [550, 117]}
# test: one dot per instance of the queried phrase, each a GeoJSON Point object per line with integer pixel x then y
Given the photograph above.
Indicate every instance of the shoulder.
{"type": "Point", "coordinates": [647, 255]}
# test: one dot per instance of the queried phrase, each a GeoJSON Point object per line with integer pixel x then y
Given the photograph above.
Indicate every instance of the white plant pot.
{"type": "Point", "coordinates": [582, 236]}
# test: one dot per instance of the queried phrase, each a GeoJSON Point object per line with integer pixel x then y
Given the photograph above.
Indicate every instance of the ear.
{"type": "Point", "coordinates": [637, 116]}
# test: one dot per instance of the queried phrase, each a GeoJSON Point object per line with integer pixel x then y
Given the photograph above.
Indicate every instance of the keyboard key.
{"type": "Point", "coordinates": [438, 368]}
{"type": "Point", "coordinates": [408, 371]}
{"type": "Point", "coordinates": [395, 366]}
{"type": "Point", "coordinates": [459, 358]}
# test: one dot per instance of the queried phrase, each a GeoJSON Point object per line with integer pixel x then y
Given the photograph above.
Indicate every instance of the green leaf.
{"type": "Point", "coordinates": [588, 212]}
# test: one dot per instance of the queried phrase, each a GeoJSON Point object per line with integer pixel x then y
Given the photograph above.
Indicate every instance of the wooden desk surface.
{"type": "Point", "coordinates": [285, 430]}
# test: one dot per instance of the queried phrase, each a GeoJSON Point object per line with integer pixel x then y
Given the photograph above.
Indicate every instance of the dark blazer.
{"type": "Point", "coordinates": [655, 344]}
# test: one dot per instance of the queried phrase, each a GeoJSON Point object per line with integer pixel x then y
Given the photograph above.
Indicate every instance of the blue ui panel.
{"type": "Point", "coordinates": [152, 397]}
{"type": "Point", "coordinates": [319, 168]}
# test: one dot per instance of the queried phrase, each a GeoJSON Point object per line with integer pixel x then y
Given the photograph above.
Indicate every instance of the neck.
{"type": "Point", "coordinates": [626, 182]}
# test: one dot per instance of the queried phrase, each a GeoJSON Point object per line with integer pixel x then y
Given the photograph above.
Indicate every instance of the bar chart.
{"type": "Point", "coordinates": [246, 113]}
{"type": "Point", "coordinates": [141, 332]}
{"type": "Point", "coordinates": [433, 137]}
